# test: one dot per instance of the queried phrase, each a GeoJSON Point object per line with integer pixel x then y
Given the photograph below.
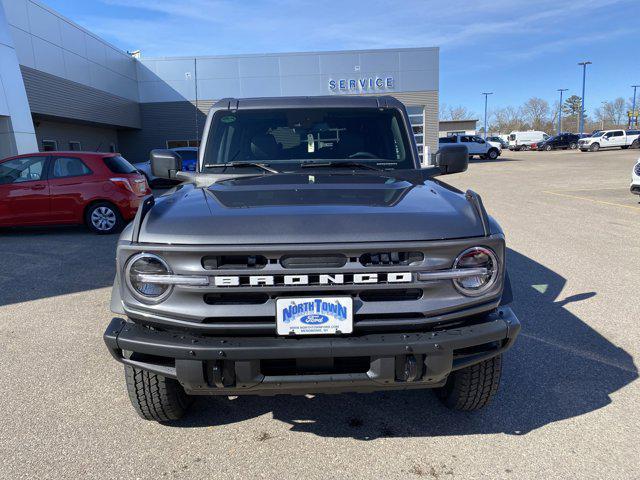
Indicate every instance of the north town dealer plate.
{"type": "Point", "coordinates": [314, 315]}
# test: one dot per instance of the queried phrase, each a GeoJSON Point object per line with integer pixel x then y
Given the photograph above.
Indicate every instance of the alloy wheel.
{"type": "Point", "coordinates": [103, 219]}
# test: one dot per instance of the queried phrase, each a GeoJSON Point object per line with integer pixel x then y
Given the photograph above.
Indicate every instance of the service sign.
{"type": "Point", "coordinates": [314, 315]}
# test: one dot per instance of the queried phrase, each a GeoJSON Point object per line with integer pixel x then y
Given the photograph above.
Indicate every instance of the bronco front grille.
{"type": "Point", "coordinates": [245, 283]}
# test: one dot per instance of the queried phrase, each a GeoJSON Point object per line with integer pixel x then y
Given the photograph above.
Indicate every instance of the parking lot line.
{"type": "Point", "coordinates": [632, 207]}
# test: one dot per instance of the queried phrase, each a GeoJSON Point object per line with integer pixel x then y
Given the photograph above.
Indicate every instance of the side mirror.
{"type": "Point", "coordinates": [452, 158]}
{"type": "Point", "coordinates": [165, 163]}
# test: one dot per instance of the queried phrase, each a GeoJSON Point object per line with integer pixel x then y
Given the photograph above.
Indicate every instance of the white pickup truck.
{"type": "Point", "coordinates": [610, 139]}
{"type": "Point", "coordinates": [476, 145]}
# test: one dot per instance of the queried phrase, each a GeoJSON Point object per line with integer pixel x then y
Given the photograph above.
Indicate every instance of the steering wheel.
{"type": "Point", "coordinates": [363, 155]}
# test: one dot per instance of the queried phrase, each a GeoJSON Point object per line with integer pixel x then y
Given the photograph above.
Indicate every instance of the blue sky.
{"type": "Point", "coordinates": [516, 49]}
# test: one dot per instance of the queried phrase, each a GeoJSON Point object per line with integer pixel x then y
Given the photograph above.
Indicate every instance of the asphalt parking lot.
{"type": "Point", "coordinates": [568, 406]}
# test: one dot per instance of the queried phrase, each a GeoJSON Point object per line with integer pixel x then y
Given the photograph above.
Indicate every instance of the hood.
{"type": "Point", "coordinates": [498, 145]}
{"type": "Point", "coordinates": [310, 208]}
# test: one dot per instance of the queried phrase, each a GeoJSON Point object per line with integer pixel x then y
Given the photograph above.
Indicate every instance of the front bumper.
{"type": "Point", "coordinates": [234, 365]}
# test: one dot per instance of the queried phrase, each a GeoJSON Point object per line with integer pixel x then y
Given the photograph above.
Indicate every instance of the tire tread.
{"type": "Point", "coordinates": [473, 387]}
{"type": "Point", "coordinates": [155, 397]}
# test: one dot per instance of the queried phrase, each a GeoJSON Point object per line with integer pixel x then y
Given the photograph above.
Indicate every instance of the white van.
{"type": "Point", "coordinates": [524, 140]}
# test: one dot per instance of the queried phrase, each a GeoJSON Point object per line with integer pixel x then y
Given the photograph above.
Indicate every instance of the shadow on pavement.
{"type": "Point", "coordinates": [559, 368]}
{"type": "Point", "coordinates": [49, 261]}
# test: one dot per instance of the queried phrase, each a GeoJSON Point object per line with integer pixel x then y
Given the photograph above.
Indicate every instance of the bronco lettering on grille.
{"type": "Point", "coordinates": [313, 279]}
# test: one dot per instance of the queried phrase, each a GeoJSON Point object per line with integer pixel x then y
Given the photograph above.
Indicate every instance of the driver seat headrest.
{"type": "Point", "coordinates": [264, 147]}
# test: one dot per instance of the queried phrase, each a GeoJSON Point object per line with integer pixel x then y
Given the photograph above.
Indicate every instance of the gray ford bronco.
{"type": "Point", "coordinates": [310, 252]}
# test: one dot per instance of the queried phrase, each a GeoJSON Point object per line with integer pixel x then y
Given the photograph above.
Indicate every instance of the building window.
{"type": "Point", "coordinates": [182, 143]}
{"type": "Point", "coordinates": [49, 145]}
{"type": "Point", "coordinates": [416, 118]}
{"type": "Point", "coordinates": [112, 148]}
{"type": "Point", "coordinates": [75, 146]}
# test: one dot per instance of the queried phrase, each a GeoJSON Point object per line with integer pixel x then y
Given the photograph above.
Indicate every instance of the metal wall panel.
{"type": "Point", "coordinates": [163, 121]}
{"type": "Point", "coordinates": [91, 138]}
{"type": "Point", "coordinates": [16, 128]}
{"type": "Point", "coordinates": [57, 97]}
{"type": "Point", "coordinates": [47, 41]}
{"type": "Point", "coordinates": [407, 70]}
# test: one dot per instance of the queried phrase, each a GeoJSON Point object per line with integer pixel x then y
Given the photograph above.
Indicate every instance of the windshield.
{"type": "Point", "coordinates": [286, 138]}
{"type": "Point", "coordinates": [597, 134]}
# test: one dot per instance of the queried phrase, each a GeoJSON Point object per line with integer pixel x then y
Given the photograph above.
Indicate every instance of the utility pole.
{"type": "Point", "coordinates": [560, 110]}
{"type": "Point", "coordinates": [634, 117]}
{"type": "Point", "coordinates": [486, 95]}
{"type": "Point", "coordinates": [584, 77]}
{"type": "Point", "coordinates": [602, 115]}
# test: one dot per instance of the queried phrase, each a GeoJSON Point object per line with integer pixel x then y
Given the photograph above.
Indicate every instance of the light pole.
{"type": "Point", "coordinates": [486, 95]}
{"type": "Point", "coordinates": [560, 110]}
{"type": "Point", "coordinates": [603, 103]}
{"type": "Point", "coordinates": [584, 77]}
{"type": "Point", "coordinates": [633, 108]}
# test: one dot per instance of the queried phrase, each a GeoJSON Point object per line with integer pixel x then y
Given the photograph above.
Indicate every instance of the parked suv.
{"type": "Point", "coordinates": [503, 143]}
{"type": "Point", "coordinates": [101, 190]}
{"type": "Point", "coordinates": [610, 139]}
{"type": "Point", "coordinates": [476, 145]}
{"type": "Point", "coordinates": [563, 141]}
{"type": "Point", "coordinates": [310, 253]}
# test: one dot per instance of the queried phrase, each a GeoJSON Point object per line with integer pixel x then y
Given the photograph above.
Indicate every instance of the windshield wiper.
{"type": "Point", "coordinates": [242, 165]}
{"type": "Point", "coordinates": [340, 164]}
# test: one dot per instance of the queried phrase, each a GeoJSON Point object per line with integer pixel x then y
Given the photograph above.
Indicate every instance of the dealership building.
{"type": "Point", "coordinates": [64, 88]}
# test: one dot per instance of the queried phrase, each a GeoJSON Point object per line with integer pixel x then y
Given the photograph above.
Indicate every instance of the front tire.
{"type": "Point", "coordinates": [594, 147]}
{"type": "Point", "coordinates": [548, 148]}
{"type": "Point", "coordinates": [493, 154]}
{"type": "Point", "coordinates": [103, 218]}
{"type": "Point", "coordinates": [472, 388]}
{"type": "Point", "coordinates": [155, 397]}
{"type": "Point", "coordinates": [573, 145]}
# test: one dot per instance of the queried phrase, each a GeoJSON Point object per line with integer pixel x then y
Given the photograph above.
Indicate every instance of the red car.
{"type": "Point", "coordinates": [101, 190]}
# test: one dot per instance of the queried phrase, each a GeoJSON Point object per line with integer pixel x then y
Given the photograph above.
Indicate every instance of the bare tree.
{"type": "Point", "coordinates": [536, 112]}
{"type": "Point", "coordinates": [459, 113]}
{"type": "Point", "coordinates": [443, 111]}
{"type": "Point", "coordinates": [508, 119]}
{"type": "Point", "coordinates": [618, 111]}
{"type": "Point", "coordinates": [612, 114]}
{"type": "Point", "coordinates": [600, 115]}
{"type": "Point", "coordinates": [553, 121]}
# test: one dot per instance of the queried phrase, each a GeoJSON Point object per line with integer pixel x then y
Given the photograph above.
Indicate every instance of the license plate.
{"type": "Point", "coordinates": [314, 315]}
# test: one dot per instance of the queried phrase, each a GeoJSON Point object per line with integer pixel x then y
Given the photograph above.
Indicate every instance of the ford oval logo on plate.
{"type": "Point", "coordinates": [314, 315]}
{"type": "Point", "coordinates": [314, 319]}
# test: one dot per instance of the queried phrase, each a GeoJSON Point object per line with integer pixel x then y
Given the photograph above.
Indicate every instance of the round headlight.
{"type": "Point", "coordinates": [143, 264]}
{"type": "Point", "coordinates": [476, 258]}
